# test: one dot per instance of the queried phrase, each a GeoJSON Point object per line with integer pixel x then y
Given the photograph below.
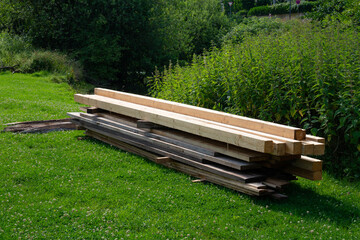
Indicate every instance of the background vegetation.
{"type": "Point", "coordinates": [304, 76]}
{"type": "Point", "coordinates": [118, 43]}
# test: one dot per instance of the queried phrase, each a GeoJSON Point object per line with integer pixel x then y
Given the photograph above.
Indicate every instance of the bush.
{"type": "Point", "coordinates": [345, 11]}
{"type": "Point", "coordinates": [253, 26]}
{"type": "Point", "coordinates": [282, 8]}
{"type": "Point", "coordinates": [13, 49]}
{"type": "Point", "coordinates": [307, 77]}
{"type": "Point", "coordinates": [263, 2]}
{"type": "Point", "coordinates": [52, 62]}
{"type": "Point", "coordinates": [17, 51]}
{"type": "Point", "coordinates": [119, 42]}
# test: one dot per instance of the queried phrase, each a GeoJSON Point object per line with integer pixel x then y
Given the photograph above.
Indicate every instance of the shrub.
{"type": "Point", "coordinates": [119, 42]}
{"type": "Point", "coordinates": [13, 49]}
{"type": "Point", "coordinates": [307, 77]}
{"type": "Point", "coordinates": [346, 11]}
{"type": "Point", "coordinates": [281, 8]}
{"type": "Point", "coordinates": [53, 62]}
{"type": "Point", "coordinates": [254, 26]}
{"type": "Point", "coordinates": [17, 51]}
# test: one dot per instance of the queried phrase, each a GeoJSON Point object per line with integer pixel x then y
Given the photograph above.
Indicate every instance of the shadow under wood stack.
{"type": "Point", "coordinates": [247, 155]}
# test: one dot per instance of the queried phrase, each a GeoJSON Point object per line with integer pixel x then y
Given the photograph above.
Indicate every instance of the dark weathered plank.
{"type": "Point", "coordinates": [167, 144]}
{"type": "Point", "coordinates": [249, 189]}
{"type": "Point", "coordinates": [41, 126]}
{"type": "Point", "coordinates": [232, 174]}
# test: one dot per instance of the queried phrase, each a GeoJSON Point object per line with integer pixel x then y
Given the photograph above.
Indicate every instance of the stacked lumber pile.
{"type": "Point", "coordinates": [248, 155]}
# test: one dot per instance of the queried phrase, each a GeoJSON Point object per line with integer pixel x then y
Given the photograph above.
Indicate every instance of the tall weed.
{"type": "Point", "coordinates": [307, 77]}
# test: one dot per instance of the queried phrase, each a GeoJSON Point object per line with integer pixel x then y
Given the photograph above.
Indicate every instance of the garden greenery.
{"type": "Point", "coordinates": [118, 42]}
{"type": "Point", "coordinates": [307, 77]}
{"type": "Point", "coordinates": [282, 8]}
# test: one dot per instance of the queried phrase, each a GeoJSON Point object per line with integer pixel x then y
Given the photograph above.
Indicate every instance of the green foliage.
{"type": "Point", "coordinates": [119, 42]}
{"type": "Point", "coordinates": [54, 186]}
{"type": "Point", "coordinates": [254, 26]}
{"type": "Point", "coordinates": [307, 77]}
{"type": "Point", "coordinates": [247, 4]}
{"type": "Point", "coordinates": [13, 49]}
{"type": "Point", "coordinates": [346, 11]}
{"type": "Point", "coordinates": [263, 2]}
{"type": "Point", "coordinates": [17, 51]}
{"type": "Point", "coordinates": [282, 8]}
{"type": "Point", "coordinates": [188, 26]}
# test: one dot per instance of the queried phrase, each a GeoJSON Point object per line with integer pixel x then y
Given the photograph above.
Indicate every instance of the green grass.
{"type": "Point", "coordinates": [53, 186]}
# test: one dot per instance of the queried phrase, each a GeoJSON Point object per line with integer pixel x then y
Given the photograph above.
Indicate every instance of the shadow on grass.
{"type": "Point", "coordinates": [306, 203]}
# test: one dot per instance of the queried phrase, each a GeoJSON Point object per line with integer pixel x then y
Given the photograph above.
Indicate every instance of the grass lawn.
{"type": "Point", "coordinates": [53, 186]}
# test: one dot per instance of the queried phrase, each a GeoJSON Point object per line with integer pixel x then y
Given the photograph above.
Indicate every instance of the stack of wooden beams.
{"type": "Point", "coordinates": [248, 155]}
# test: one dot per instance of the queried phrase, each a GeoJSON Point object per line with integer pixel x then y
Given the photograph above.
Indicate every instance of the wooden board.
{"type": "Point", "coordinates": [308, 163]}
{"type": "Point", "coordinates": [311, 175]}
{"type": "Point", "coordinates": [315, 139]}
{"type": "Point", "coordinates": [232, 174]}
{"type": "Point", "coordinates": [180, 122]}
{"type": "Point", "coordinates": [275, 183]}
{"type": "Point", "coordinates": [282, 145]}
{"type": "Point", "coordinates": [253, 189]}
{"type": "Point", "coordinates": [165, 143]}
{"type": "Point", "coordinates": [221, 117]}
{"type": "Point", "coordinates": [217, 146]}
{"type": "Point", "coordinates": [41, 126]}
{"type": "Point", "coordinates": [203, 143]}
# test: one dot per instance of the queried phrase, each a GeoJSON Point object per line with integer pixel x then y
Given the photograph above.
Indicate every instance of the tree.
{"type": "Point", "coordinates": [120, 42]}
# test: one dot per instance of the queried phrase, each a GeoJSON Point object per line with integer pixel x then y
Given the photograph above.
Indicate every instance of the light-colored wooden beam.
{"type": "Point", "coordinates": [308, 163]}
{"type": "Point", "coordinates": [300, 172]}
{"type": "Point", "coordinates": [221, 117]}
{"type": "Point", "coordinates": [202, 155]}
{"type": "Point", "coordinates": [198, 143]}
{"type": "Point", "coordinates": [315, 139]}
{"type": "Point", "coordinates": [179, 121]}
{"type": "Point", "coordinates": [195, 172]}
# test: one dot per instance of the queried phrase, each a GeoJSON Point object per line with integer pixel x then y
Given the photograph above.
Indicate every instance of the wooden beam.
{"type": "Point", "coordinates": [180, 122]}
{"type": "Point", "coordinates": [229, 173]}
{"type": "Point", "coordinates": [202, 144]}
{"type": "Point", "coordinates": [221, 117]}
{"type": "Point", "coordinates": [148, 125]}
{"type": "Point", "coordinates": [282, 145]}
{"type": "Point", "coordinates": [41, 126]}
{"type": "Point", "coordinates": [315, 139]}
{"type": "Point", "coordinates": [217, 146]}
{"type": "Point", "coordinates": [165, 143]}
{"type": "Point", "coordinates": [308, 163]}
{"type": "Point", "coordinates": [123, 146]}
{"type": "Point", "coordinates": [207, 176]}
{"type": "Point", "coordinates": [311, 175]}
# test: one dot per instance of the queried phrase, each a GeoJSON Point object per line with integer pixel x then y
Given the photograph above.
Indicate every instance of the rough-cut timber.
{"type": "Point", "coordinates": [194, 140]}
{"type": "Point", "coordinates": [168, 162]}
{"type": "Point", "coordinates": [41, 126]}
{"type": "Point", "coordinates": [290, 146]}
{"type": "Point", "coordinates": [200, 154]}
{"type": "Point", "coordinates": [244, 177]}
{"type": "Point", "coordinates": [221, 117]}
{"type": "Point", "coordinates": [315, 139]}
{"type": "Point", "coordinates": [308, 163]}
{"type": "Point", "coordinates": [180, 122]}
{"type": "Point", "coordinates": [311, 175]}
